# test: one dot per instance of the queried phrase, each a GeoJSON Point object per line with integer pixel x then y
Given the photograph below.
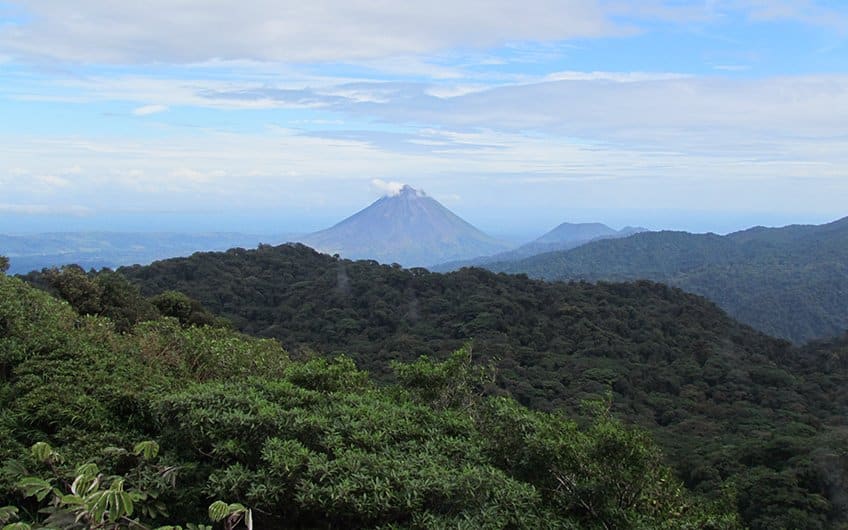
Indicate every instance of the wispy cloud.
{"type": "Point", "coordinates": [45, 209]}
{"type": "Point", "coordinates": [266, 30]}
{"type": "Point", "coordinates": [731, 67]}
{"type": "Point", "coordinates": [824, 14]}
{"type": "Point", "coordinates": [147, 110]}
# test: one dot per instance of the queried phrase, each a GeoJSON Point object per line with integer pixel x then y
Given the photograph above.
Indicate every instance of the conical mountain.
{"type": "Point", "coordinates": [579, 233]}
{"type": "Point", "coordinates": [409, 228]}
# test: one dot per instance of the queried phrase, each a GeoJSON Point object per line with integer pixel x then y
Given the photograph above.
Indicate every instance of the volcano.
{"type": "Point", "coordinates": [408, 227]}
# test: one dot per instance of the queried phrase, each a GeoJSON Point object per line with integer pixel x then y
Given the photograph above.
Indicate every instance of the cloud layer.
{"type": "Point", "coordinates": [268, 30]}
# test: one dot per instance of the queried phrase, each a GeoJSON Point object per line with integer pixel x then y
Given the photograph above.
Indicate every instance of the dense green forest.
{"type": "Point", "coordinates": [738, 414]}
{"type": "Point", "coordinates": [734, 410]}
{"type": "Point", "coordinates": [789, 282]}
{"type": "Point", "coordinates": [173, 423]}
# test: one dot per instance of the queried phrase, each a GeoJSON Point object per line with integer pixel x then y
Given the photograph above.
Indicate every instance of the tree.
{"type": "Point", "coordinates": [4, 264]}
{"type": "Point", "coordinates": [187, 310]}
{"type": "Point", "coordinates": [77, 288]}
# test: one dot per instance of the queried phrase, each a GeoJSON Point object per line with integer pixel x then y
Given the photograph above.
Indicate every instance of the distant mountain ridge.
{"type": "Point", "coordinates": [790, 282]}
{"type": "Point", "coordinates": [564, 237]}
{"type": "Point", "coordinates": [409, 228]}
{"type": "Point", "coordinates": [98, 249]}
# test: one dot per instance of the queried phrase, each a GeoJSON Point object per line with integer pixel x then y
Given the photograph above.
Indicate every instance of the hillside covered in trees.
{"type": "Point", "coordinates": [789, 282]}
{"type": "Point", "coordinates": [563, 237]}
{"type": "Point", "coordinates": [169, 422]}
{"type": "Point", "coordinates": [732, 408]}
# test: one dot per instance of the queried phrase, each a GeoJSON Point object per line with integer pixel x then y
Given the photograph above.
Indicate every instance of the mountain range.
{"type": "Point", "coordinates": [409, 228]}
{"type": "Point", "coordinates": [789, 282]}
{"type": "Point", "coordinates": [563, 237]}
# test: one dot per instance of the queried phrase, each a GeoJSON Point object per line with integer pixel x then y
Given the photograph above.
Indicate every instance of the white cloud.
{"type": "Point", "coordinates": [269, 30]}
{"type": "Point", "coordinates": [732, 67]}
{"type": "Point", "coordinates": [45, 209]}
{"type": "Point", "coordinates": [702, 113]}
{"type": "Point", "coordinates": [617, 77]}
{"type": "Point", "coordinates": [51, 182]}
{"type": "Point", "coordinates": [680, 111]}
{"type": "Point", "coordinates": [278, 169]}
{"type": "Point", "coordinates": [452, 91]}
{"type": "Point", "coordinates": [147, 110]}
{"type": "Point", "coordinates": [822, 14]}
{"type": "Point", "coordinates": [389, 188]}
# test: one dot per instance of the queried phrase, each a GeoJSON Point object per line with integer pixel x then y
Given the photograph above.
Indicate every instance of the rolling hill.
{"type": "Point", "coordinates": [789, 282]}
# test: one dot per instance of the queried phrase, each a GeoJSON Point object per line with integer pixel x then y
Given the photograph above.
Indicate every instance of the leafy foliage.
{"type": "Point", "coordinates": [303, 444]}
{"type": "Point", "coordinates": [717, 396]}
{"type": "Point", "coordinates": [109, 294]}
{"type": "Point", "coordinates": [85, 497]}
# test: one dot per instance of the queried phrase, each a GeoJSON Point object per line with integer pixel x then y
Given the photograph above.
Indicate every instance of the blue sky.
{"type": "Point", "coordinates": [271, 117]}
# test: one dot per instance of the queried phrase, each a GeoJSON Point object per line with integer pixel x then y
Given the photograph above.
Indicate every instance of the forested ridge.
{"type": "Point", "coordinates": [174, 424]}
{"type": "Point", "coordinates": [789, 282]}
{"type": "Point", "coordinates": [731, 407]}
{"type": "Point", "coordinates": [739, 415]}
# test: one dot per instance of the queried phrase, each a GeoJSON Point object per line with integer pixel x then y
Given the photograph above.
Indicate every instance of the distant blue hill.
{"type": "Point", "coordinates": [114, 249]}
{"type": "Point", "coordinates": [789, 282]}
{"type": "Point", "coordinates": [564, 237]}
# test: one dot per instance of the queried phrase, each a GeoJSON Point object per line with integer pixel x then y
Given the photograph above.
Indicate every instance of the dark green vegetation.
{"type": "Point", "coordinates": [788, 282]}
{"type": "Point", "coordinates": [110, 294]}
{"type": "Point", "coordinates": [734, 410]}
{"type": "Point", "coordinates": [301, 444]}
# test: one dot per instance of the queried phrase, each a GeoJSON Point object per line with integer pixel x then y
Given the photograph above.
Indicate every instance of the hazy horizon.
{"type": "Point", "coordinates": [515, 229]}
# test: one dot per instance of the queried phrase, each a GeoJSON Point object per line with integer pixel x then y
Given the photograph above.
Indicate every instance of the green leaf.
{"type": "Point", "coordinates": [7, 513]}
{"type": "Point", "coordinates": [97, 504]}
{"type": "Point", "coordinates": [42, 452]}
{"type": "Point", "coordinates": [85, 484]}
{"type": "Point", "coordinates": [17, 526]}
{"type": "Point", "coordinates": [35, 487]}
{"type": "Point", "coordinates": [72, 500]}
{"type": "Point", "coordinates": [117, 485]}
{"type": "Point", "coordinates": [90, 469]}
{"type": "Point", "coordinates": [218, 510]}
{"type": "Point", "coordinates": [147, 449]}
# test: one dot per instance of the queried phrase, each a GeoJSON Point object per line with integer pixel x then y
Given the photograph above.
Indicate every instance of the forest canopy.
{"type": "Point", "coordinates": [735, 412]}
{"type": "Point", "coordinates": [168, 424]}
